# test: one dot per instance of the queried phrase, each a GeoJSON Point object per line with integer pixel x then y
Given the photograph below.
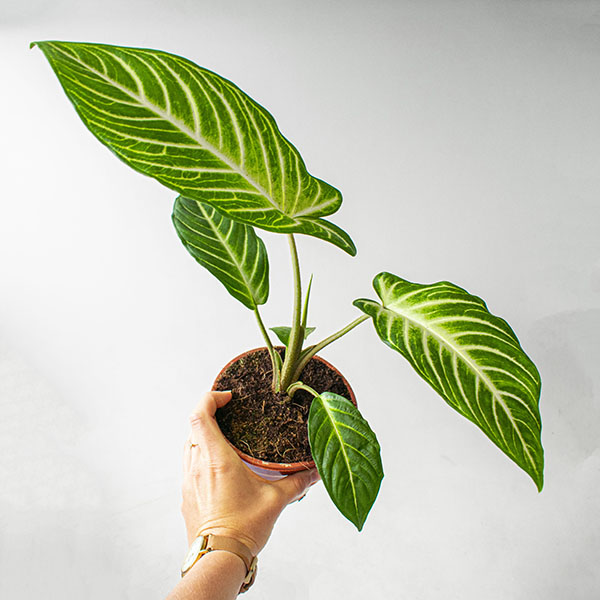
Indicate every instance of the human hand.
{"type": "Point", "coordinates": [223, 496]}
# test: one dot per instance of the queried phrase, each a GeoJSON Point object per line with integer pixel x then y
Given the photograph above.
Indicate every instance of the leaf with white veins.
{"type": "Point", "coordinates": [197, 133]}
{"type": "Point", "coordinates": [470, 357]}
{"type": "Point", "coordinates": [231, 251]}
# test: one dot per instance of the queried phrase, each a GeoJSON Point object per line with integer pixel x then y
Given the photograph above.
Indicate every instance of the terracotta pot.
{"type": "Point", "coordinates": [272, 470]}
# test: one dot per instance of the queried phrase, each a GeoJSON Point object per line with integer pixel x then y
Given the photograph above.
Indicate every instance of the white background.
{"type": "Point", "coordinates": [465, 138]}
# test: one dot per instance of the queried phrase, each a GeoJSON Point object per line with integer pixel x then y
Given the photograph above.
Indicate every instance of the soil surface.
{"type": "Point", "coordinates": [264, 424]}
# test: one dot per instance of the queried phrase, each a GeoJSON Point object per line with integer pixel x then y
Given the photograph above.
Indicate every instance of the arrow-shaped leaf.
{"type": "Point", "coordinates": [347, 455]}
{"type": "Point", "coordinates": [470, 357]}
{"type": "Point", "coordinates": [196, 133]}
{"type": "Point", "coordinates": [231, 251]}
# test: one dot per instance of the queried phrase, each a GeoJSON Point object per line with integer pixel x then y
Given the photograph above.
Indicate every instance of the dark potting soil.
{"type": "Point", "coordinates": [267, 425]}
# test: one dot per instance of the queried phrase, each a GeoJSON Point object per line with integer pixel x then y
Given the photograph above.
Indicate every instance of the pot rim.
{"type": "Point", "coordinates": [283, 468]}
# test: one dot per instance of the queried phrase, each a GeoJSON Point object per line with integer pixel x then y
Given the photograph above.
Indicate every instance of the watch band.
{"type": "Point", "coordinates": [208, 542]}
{"type": "Point", "coordinates": [220, 542]}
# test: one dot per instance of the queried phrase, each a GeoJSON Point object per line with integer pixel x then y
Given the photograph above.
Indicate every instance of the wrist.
{"type": "Point", "coordinates": [224, 561]}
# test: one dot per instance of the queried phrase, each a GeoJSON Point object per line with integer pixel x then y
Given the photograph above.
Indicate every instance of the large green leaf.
{"type": "Point", "coordinates": [470, 357]}
{"type": "Point", "coordinates": [347, 455]}
{"type": "Point", "coordinates": [231, 251]}
{"type": "Point", "coordinates": [196, 133]}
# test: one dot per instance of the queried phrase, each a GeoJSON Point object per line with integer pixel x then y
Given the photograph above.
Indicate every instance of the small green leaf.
{"type": "Point", "coordinates": [196, 133]}
{"type": "Point", "coordinates": [283, 333]}
{"type": "Point", "coordinates": [231, 251]}
{"type": "Point", "coordinates": [470, 357]}
{"type": "Point", "coordinates": [347, 455]}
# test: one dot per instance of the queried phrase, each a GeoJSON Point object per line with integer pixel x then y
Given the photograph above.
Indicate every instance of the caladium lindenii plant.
{"type": "Point", "coordinates": [201, 136]}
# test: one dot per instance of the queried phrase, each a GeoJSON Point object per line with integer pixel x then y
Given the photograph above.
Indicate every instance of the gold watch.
{"type": "Point", "coordinates": [208, 542]}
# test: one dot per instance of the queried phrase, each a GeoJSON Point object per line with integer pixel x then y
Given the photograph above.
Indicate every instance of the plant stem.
{"type": "Point", "coordinates": [275, 358]}
{"type": "Point", "coordinates": [294, 346]}
{"type": "Point", "coordinates": [310, 352]}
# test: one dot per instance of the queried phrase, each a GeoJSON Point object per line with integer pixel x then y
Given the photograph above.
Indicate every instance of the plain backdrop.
{"type": "Point", "coordinates": [465, 137]}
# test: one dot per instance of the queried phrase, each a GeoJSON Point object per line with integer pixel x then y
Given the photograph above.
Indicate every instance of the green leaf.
{"type": "Point", "coordinates": [197, 133]}
{"type": "Point", "coordinates": [231, 251]}
{"type": "Point", "coordinates": [470, 357]}
{"type": "Point", "coordinates": [283, 333]}
{"type": "Point", "coordinates": [347, 455]}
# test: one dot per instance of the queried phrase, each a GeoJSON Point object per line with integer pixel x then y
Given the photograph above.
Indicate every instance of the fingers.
{"type": "Point", "coordinates": [205, 434]}
{"type": "Point", "coordinates": [293, 487]}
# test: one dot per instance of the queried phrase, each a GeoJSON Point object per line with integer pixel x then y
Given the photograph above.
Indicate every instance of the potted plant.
{"type": "Point", "coordinates": [201, 136]}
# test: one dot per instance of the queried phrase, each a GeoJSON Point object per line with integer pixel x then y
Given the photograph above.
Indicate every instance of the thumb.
{"type": "Point", "coordinates": [293, 487]}
{"type": "Point", "coordinates": [205, 430]}
{"type": "Point", "coordinates": [211, 401]}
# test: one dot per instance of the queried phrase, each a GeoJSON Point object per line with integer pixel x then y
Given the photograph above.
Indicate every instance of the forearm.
{"type": "Point", "coordinates": [217, 575]}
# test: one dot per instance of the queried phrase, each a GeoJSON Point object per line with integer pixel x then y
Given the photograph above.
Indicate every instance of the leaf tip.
{"type": "Point", "coordinates": [42, 45]}
{"type": "Point", "coordinates": [359, 520]}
